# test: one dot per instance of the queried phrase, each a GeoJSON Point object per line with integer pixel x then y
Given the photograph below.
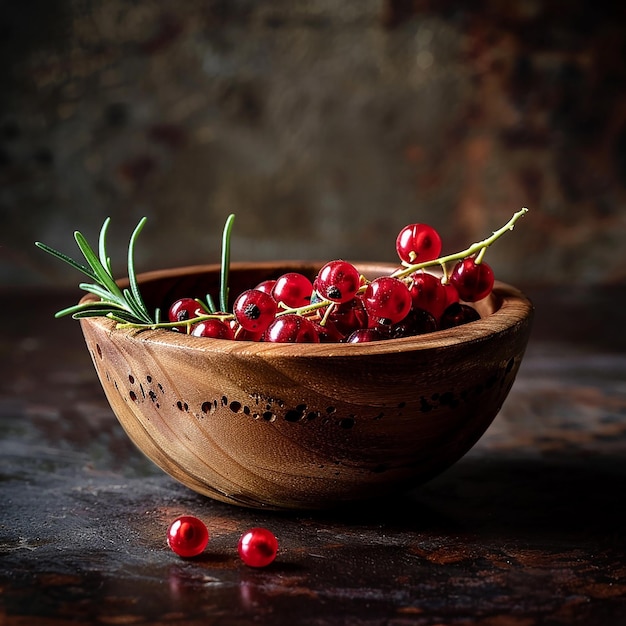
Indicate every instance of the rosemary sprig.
{"type": "Point", "coordinates": [125, 306]}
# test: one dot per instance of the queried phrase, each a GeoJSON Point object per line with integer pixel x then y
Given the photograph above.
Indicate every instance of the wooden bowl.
{"type": "Point", "coordinates": [305, 426]}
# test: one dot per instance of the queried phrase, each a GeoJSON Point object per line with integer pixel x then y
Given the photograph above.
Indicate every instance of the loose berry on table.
{"type": "Point", "coordinates": [187, 536]}
{"type": "Point", "coordinates": [258, 547]}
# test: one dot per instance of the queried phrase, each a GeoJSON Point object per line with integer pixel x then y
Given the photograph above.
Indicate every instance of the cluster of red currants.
{"type": "Point", "coordinates": [340, 305]}
{"type": "Point", "coordinates": [188, 537]}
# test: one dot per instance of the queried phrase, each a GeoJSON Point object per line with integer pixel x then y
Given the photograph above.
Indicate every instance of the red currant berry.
{"type": "Point", "coordinates": [348, 316]}
{"type": "Point", "coordinates": [187, 536]}
{"type": "Point", "coordinates": [365, 335]}
{"type": "Point", "coordinates": [327, 333]}
{"type": "Point", "coordinates": [417, 243]}
{"type": "Point", "coordinates": [293, 290]}
{"type": "Point", "coordinates": [255, 310]}
{"type": "Point", "coordinates": [291, 328]}
{"type": "Point", "coordinates": [241, 334]}
{"type": "Point", "coordinates": [213, 328]}
{"type": "Point", "coordinates": [266, 286]}
{"type": "Point", "coordinates": [388, 299]}
{"type": "Point", "coordinates": [183, 310]}
{"type": "Point", "coordinates": [452, 295]}
{"type": "Point", "coordinates": [417, 322]}
{"type": "Point", "coordinates": [473, 281]}
{"type": "Point", "coordinates": [457, 314]}
{"type": "Point", "coordinates": [258, 547]}
{"type": "Point", "coordinates": [338, 281]}
{"type": "Point", "coordinates": [428, 293]}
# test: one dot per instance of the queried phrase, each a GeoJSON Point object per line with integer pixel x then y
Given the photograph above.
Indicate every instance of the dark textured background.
{"type": "Point", "coordinates": [325, 126]}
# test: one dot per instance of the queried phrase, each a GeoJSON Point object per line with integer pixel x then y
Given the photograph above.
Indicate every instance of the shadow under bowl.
{"type": "Point", "coordinates": [305, 426]}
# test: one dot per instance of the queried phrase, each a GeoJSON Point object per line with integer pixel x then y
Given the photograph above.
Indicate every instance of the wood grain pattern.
{"type": "Point", "coordinates": [305, 426]}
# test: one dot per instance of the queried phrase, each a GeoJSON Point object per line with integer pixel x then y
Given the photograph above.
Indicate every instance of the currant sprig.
{"type": "Point", "coordinates": [476, 250]}
{"type": "Point", "coordinates": [473, 254]}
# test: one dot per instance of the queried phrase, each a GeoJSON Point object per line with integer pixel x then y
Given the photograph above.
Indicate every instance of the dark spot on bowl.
{"type": "Point", "coordinates": [131, 378]}
{"type": "Point", "coordinates": [235, 406]}
{"type": "Point", "coordinates": [133, 395]}
{"type": "Point", "coordinates": [293, 416]}
{"type": "Point", "coordinates": [447, 398]}
{"type": "Point", "coordinates": [347, 422]}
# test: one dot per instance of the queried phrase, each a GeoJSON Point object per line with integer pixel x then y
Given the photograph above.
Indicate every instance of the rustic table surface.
{"type": "Point", "coordinates": [528, 528]}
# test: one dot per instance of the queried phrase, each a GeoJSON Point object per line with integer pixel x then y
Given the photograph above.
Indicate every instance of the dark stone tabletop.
{"type": "Point", "coordinates": [528, 528]}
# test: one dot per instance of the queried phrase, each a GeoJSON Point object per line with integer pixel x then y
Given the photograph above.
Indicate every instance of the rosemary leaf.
{"type": "Point", "coordinates": [102, 248]}
{"type": "Point", "coordinates": [96, 308]}
{"type": "Point", "coordinates": [66, 259]}
{"type": "Point", "coordinates": [122, 317]}
{"type": "Point", "coordinates": [135, 308]}
{"type": "Point", "coordinates": [210, 304]}
{"type": "Point", "coordinates": [105, 312]}
{"type": "Point", "coordinates": [102, 275]}
{"type": "Point", "coordinates": [132, 277]}
{"type": "Point", "coordinates": [103, 294]}
{"type": "Point", "coordinates": [225, 268]}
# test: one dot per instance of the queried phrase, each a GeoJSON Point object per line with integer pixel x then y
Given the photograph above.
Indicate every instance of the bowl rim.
{"type": "Point", "coordinates": [513, 308]}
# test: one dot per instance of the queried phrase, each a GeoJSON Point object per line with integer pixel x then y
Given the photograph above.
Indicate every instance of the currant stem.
{"type": "Point", "coordinates": [188, 323]}
{"type": "Point", "coordinates": [475, 248]}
